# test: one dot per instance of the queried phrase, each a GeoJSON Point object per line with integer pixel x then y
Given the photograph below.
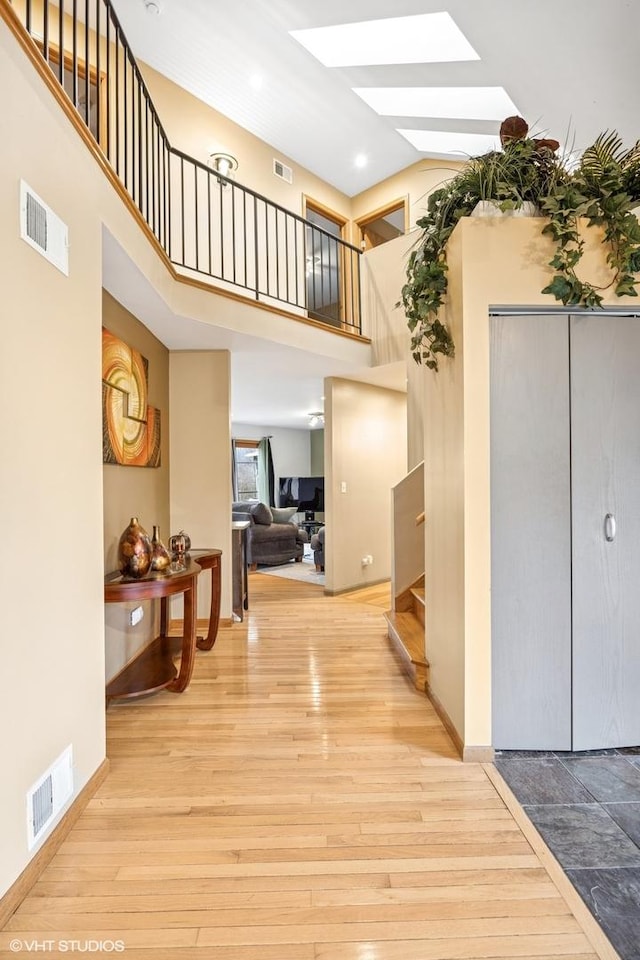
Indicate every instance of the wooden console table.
{"type": "Point", "coordinates": [154, 668]}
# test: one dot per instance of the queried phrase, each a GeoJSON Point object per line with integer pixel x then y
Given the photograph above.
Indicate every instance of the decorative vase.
{"type": "Point", "coordinates": [160, 558]}
{"type": "Point", "coordinates": [134, 551]}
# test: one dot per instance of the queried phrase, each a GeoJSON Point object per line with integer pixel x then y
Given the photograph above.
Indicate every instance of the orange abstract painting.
{"type": "Point", "coordinates": [130, 427]}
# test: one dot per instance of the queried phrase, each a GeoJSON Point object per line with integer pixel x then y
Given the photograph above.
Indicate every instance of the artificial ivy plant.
{"type": "Point", "coordinates": [603, 188]}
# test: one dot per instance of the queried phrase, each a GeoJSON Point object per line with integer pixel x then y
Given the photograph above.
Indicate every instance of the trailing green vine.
{"type": "Point", "coordinates": [602, 189]}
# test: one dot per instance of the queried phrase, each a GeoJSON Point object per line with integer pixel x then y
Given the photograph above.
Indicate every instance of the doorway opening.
{"type": "Point", "coordinates": [324, 270]}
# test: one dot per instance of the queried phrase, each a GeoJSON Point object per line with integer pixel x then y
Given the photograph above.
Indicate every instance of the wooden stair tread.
{"type": "Point", "coordinates": [418, 594]}
{"type": "Point", "coordinates": [411, 634]}
{"type": "Point", "coordinates": [407, 635]}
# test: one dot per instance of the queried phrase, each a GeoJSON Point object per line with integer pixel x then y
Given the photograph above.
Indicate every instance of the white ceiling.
{"type": "Point", "coordinates": [571, 67]}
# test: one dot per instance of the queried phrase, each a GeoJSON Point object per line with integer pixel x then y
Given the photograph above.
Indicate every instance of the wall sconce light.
{"type": "Point", "coordinates": [316, 420]}
{"type": "Point", "coordinates": [224, 164]}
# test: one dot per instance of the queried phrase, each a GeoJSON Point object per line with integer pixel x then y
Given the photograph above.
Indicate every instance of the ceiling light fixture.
{"type": "Point", "coordinates": [224, 164]}
{"type": "Point", "coordinates": [316, 419]}
{"type": "Point", "coordinates": [152, 6]}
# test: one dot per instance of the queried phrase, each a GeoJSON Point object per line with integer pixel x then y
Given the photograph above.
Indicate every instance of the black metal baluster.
{"type": "Point", "coordinates": [359, 291]}
{"type": "Point", "coordinates": [182, 203]}
{"type": "Point", "coordinates": [146, 155]}
{"type": "Point", "coordinates": [45, 30]}
{"type": "Point", "coordinates": [28, 16]}
{"type": "Point", "coordinates": [233, 232]}
{"type": "Point", "coordinates": [167, 199]}
{"type": "Point", "coordinates": [107, 146]}
{"type": "Point", "coordinates": [221, 198]}
{"type": "Point", "coordinates": [125, 120]}
{"type": "Point", "coordinates": [98, 45]}
{"type": "Point", "coordinates": [197, 222]}
{"type": "Point", "coordinates": [117, 58]}
{"type": "Point", "coordinates": [87, 61]}
{"type": "Point", "coordinates": [140, 159]}
{"type": "Point", "coordinates": [244, 237]}
{"type": "Point", "coordinates": [61, 43]}
{"type": "Point", "coordinates": [209, 233]}
{"type": "Point", "coordinates": [286, 256]}
{"type": "Point", "coordinates": [255, 247]}
{"type": "Point", "coordinates": [74, 54]}
{"type": "Point", "coordinates": [277, 220]}
{"type": "Point", "coordinates": [296, 230]}
{"type": "Point", "coordinates": [267, 286]}
{"type": "Point", "coordinates": [154, 176]}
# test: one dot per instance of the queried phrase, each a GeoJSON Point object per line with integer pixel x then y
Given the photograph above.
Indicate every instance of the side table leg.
{"type": "Point", "coordinates": [206, 643]}
{"type": "Point", "coordinates": [187, 660]}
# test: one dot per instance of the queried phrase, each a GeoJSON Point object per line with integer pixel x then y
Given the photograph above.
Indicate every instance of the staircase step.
{"type": "Point", "coordinates": [417, 595]}
{"type": "Point", "coordinates": [407, 635]}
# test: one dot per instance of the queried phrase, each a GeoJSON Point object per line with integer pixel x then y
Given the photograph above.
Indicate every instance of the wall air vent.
{"type": "Point", "coordinates": [43, 230]}
{"type": "Point", "coordinates": [281, 170]}
{"type": "Point", "coordinates": [48, 795]}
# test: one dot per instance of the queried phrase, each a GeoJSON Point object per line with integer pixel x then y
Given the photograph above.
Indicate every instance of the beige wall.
{"type": "Point", "coordinates": [490, 262]}
{"type": "Point", "coordinates": [316, 443]}
{"type": "Point", "coordinates": [135, 491]}
{"type": "Point", "coordinates": [200, 399]}
{"type": "Point", "coordinates": [51, 563]}
{"type": "Point", "coordinates": [365, 449]}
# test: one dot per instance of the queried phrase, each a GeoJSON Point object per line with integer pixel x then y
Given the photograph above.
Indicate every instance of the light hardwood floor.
{"type": "Point", "coordinates": [300, 801]}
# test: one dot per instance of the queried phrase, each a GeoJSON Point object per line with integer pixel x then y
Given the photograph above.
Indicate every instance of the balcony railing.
{"type": "Point", "coordinates": [206, 223]}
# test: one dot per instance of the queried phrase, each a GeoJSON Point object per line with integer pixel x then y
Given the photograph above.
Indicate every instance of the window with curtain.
{"type": "Point", "coordinates": [245, 467]}
{"type": "Point", "coordinates": [253, 477]}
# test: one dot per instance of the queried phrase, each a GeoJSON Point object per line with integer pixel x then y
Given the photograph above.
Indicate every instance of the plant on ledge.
{"type": "Point", "coordinates": [603, 189]}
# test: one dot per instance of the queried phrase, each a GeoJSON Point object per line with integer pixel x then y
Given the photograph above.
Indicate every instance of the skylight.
{"type": "Point", "coordinates": [463, 145]}
{"type": "Point", "coordinates": [423, 38]}
{"type": "Point", "coordinates": [456, 103]}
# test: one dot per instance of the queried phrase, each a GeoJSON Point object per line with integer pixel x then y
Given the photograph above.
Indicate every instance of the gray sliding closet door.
{"type": "Point", "coordinates": [530, 533]}
{"type": "Point", "coordinates": [605, 442]}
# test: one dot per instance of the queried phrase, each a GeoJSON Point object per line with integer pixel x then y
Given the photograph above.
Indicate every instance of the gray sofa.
{"type": "Point", "coordinates": [317, 545]}
{"type": "Point", "coordinates": [272, 537]}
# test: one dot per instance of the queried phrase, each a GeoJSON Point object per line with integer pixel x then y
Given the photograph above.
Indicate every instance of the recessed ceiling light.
{"type": "Point", "coordinates": [443, 142]}
{"type": "Point", "coordinates": [360, 160]}
{"type": "Point", "coordinates": [423, 38]}
{"type": "Point", "coordinates": [456, 103]}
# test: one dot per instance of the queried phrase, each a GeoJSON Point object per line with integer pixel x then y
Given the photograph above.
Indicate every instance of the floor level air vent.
{"type": "Point", "coordinates": [281, 170]}
{"type": "Point", "coordinates": [42, 229]}
{"type": "Point", "coordinates": [48, 795]}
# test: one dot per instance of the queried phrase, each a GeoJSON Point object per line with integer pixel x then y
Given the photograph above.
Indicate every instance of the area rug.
{"type": "Point", "coordinates": [305, 571]}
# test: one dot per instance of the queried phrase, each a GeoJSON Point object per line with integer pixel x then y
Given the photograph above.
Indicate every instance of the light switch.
{"type": "Point", "coordinates": [343, 486]}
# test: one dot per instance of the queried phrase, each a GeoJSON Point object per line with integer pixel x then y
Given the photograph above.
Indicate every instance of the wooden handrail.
{"type": "Point", "coordinates": [420, 519]}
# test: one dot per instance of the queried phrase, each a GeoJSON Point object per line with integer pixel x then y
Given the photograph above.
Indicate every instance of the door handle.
{"type": "Point", "coordinates": [610, 527]}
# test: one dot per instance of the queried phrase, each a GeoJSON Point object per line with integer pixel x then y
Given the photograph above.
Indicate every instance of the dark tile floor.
{"type": "Point", "coordinates": [586, 806]}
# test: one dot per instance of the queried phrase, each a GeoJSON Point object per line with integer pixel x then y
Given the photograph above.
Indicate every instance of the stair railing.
{"type": "Point", "coordinates": [205, 222]}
